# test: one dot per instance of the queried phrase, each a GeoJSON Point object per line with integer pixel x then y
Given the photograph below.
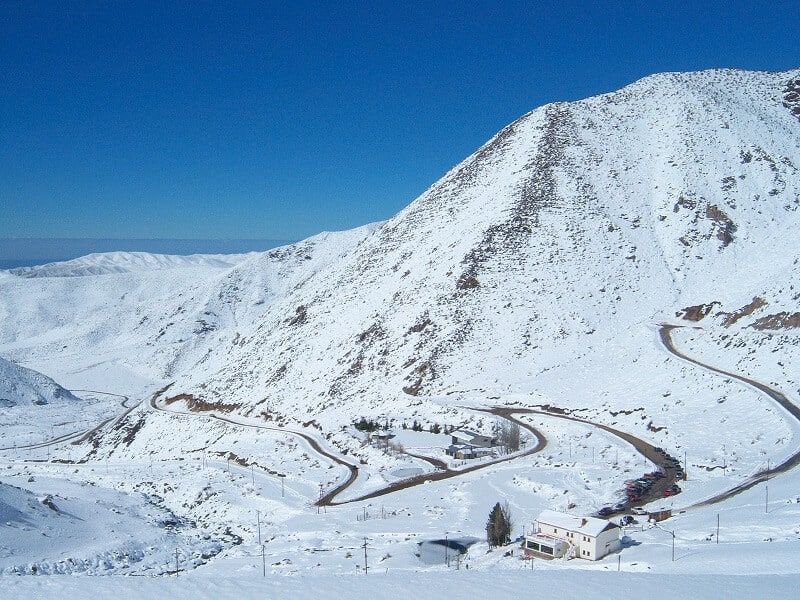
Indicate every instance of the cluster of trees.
{"type": "Point", "coordinates": [369, 425]}
{"type": "Point", "coordinates": [498, 528]}
{"type": "Point", "coordinates": [435, 428]}
{"type": "Point", "coordinates": [508, 435]}
{"type": "Point", "coordinates": [506, 432]}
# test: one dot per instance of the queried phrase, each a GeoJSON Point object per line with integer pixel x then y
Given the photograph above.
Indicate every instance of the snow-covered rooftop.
{"type": "Point", "coordinates": [591, 526]}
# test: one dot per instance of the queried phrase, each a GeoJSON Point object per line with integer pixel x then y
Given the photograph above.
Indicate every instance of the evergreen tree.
{"type": "Point", "coordinates": [498, 528]}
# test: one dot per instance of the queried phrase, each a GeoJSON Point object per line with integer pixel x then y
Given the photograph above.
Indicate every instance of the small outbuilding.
{"type": "Point", "coordinates": [556, 534]}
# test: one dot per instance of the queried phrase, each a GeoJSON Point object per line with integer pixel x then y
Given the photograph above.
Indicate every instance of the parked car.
{"type": "Point", "coordinates": [621, 505]}
{"type": "Point", "coordinates": [638, 510]}
{"type": "Point", "coordinates": [605, 511]}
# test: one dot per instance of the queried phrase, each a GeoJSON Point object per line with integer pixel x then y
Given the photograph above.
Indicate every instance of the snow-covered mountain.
{"type": "Point", "coordinates": [19, 385]}
{"type": "Point", "coordinates": [576, 227]}
{"type": "Point", "coordinates": [549, 251]}
{"type": "Point", "coordinates": [125, 262]}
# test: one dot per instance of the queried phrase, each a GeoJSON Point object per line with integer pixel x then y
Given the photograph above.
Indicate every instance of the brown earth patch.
{"type": "Point", "coordinates": [731, 318]}
{"type": "Point", "coordinates": [696, 313]}
{"type": "Point", "coordinates": [199, 405]}
{"type": "Point", "coordinates": [726, 227]}
{"type": "Point", "coordinates": [782, 320]}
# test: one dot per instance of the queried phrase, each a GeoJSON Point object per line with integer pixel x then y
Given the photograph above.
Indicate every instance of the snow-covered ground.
{"type": "Point", "coordinates": [213, 398]}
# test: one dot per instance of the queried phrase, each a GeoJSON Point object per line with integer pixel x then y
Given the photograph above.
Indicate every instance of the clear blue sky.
{"type": "Point", "coordinates": [282, 119]}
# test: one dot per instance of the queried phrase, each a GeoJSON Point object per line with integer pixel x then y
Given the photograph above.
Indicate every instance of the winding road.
{"type": "Point", "coordinates": [446, 473]}
{"type": "Point", "coordinates": [329, 499]}
{"type": "Point", "coordinates": [443, 471]}
{"type": "Point", "coordinates": [76, 437]}
{"type": "Point", "coordinates": [665, 332]}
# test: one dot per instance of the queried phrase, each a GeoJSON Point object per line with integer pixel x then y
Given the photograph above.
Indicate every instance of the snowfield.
{"type": "Point", "coordinates": [207, 445]}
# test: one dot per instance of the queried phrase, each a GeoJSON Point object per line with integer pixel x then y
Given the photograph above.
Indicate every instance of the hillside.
{"type": "Point", "coordinates": [558, 244]}
{"type": "Point", "coordinates": [536, 276]}
{"type": "Point", "coordinates": [19, 385]}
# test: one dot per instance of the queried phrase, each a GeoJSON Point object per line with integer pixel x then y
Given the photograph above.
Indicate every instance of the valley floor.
{"type": "Point", "coordinates": [252, 527]}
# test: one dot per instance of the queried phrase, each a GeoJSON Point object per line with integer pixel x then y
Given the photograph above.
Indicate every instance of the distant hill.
{"type": "Point", "coordinates": [27, 252]}
{"type": "Point", "coordinates": [19, 385]}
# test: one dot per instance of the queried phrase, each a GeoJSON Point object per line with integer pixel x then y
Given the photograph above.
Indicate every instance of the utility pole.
{"type": "Point", "coordinates": [177, 569]}
{"type": "Point", "coordinates": [446, 551]}
{"type": "Point", "coordinates": [366, 565]}
{"type": "Point", "coordinates": [263, 561]}
{"type": "Point", "coordinates": [258, 518]}
{"type": "Point", "coordinates": [673, 545]}
{"type": "Point", "coordinates": [252, 474]}
{"type": "Point", "coordinates": [717, 528]}
{"type": "Point", "coordinates": [766, 499]}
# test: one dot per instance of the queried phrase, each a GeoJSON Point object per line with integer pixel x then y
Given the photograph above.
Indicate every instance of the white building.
{"type": "Point", "coordinates": [556, 534]}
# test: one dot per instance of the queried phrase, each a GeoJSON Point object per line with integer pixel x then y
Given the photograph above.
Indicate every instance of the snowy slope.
{"type": "Point", "coordinates": [124, 262]}
{"type": "Point", "coordinates": [19, 385]}
{"type": "Point", "coordinates": [564, 238]}
{"type": "Point", "coordinates": [134, 316]}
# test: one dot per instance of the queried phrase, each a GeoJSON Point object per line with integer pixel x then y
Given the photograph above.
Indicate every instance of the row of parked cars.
{"type": "Point", "coordinates": [673, 462]}
{"type": "Point", "coordinates": [637, 489]}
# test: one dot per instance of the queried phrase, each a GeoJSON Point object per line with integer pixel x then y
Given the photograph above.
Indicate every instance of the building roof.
{"type": "Point", "coordinates": [464, 434]}
{"type": "Point", "coordinates": [383, 433]}
{"type": "Point", "coordinates": [591, 526]}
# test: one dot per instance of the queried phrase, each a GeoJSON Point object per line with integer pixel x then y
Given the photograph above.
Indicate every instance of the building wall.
{"type": "Point", "coordinates": [586, 546]}
{"type": "Point", "coordinates": [607, 542]}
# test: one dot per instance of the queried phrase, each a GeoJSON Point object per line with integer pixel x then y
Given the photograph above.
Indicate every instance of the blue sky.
{"type": "Point", "coordinates": [282, 119]}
